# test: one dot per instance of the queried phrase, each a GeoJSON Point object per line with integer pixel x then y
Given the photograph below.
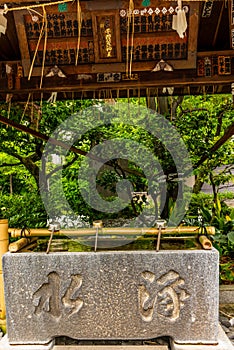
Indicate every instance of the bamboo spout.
{"type": "Point", "coordinates": [21, 243]}
{"type": "Point", "coordinates": [205, 242]}
{"type": "Point", "coordinates": [4, 242]}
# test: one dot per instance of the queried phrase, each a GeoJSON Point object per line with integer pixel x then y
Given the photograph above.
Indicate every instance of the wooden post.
{"type": "Point", "coordinates": [23, 42]}
{"type": "Point", "coordinates": [4, 242]}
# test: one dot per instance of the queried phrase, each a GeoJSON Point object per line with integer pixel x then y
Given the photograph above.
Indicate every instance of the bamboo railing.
{"type": "Point", "coordinates": [135, 231]}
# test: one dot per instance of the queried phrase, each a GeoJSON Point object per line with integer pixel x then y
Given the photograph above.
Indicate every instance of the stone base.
{"type": "Point", "coordinates": [223, 344]}
{"type": "Point", "coordinates": [111, 347]}
{"type": "Point", "coordinates": [4, 345]}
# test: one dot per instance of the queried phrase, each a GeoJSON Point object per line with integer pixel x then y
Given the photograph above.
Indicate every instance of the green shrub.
{"type": "Point", "coordinates": [25, 210]}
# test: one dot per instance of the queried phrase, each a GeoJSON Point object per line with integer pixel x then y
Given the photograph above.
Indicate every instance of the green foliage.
{"type": "Point", "coordinates": [25, 210]}
{"type": "Point", "coordinates": [223, 240]}
{"type": "Point", "coordinates": [203, 207]}
{"type": "Point", "coordinates": [227, 272]}
{"type": "Point", "coordinates": [231, 237]}
{"type": "Point", "coordinates": [14, 178]}
{"type": "Point", "coordinates": [200, 120]}
{"type": "Point", "coordinates": [204, 212]}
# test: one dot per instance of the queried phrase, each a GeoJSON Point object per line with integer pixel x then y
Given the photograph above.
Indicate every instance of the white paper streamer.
{"type": "Point", "coordinates": [179, 22]}
{"type": "Point", "coordinates": [3, 23]}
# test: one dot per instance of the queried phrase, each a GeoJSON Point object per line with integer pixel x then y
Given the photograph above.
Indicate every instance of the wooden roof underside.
{"type": "Point", "coordinates": [202, 61]}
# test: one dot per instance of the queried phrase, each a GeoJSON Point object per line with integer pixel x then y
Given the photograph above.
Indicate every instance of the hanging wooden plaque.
{"type": "Point", "coordinates": [106, 29]}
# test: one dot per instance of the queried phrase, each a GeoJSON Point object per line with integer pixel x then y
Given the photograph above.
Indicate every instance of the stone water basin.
{"type": "Point", "coordinates": [107, 295]}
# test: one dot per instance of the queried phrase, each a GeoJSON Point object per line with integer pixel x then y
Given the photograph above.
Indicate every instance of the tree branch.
{"type": "Point", "coordinates": [15, 155]}
{"type": "Point", "coordinates": [227, 169]}
{"type": "Point", "coordinates": [175, 104]}
{"type": "Point", "coordinates": [6, 164]}
{"type": "Point", "coordinates": [61, 167]}
{"type": "Point", "coordinates": [227, 134]}
{"type": "Point", "coordinates": [46, 138]}
{"type": "Point", "coordinates": [183, 111]}
{"type": "Point", "coordinates": [220, 122]}
{"type": "Point", "coordinates": [53, 141]}
{"type": "Point", "coordinates": [225, 186]}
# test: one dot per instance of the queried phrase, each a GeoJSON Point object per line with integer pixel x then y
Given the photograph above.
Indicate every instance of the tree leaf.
{"type": "Point", "coordinates": [231, 236]}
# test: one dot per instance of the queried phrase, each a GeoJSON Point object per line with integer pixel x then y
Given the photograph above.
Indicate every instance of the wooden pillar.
{"type": "Point", "coordinates": [4, 242]}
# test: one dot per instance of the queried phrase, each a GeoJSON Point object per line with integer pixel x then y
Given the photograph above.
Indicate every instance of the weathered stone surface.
{"type": "Point", "coordinates": [222, 344]}
{"type": "Point", "coordinates": [226, 294]}
{"type": "Point", "coordinates": [112, 295]}
{"type": "Point", "coordinates": [4, 345]}
{"type": "Point", "coordinates": [113, 347]}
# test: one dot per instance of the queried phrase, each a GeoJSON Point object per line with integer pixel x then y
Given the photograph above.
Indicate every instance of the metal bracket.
{"type": "Point", "coordinates": [97, 224]}
{"type": "Point", "coordinates": [160, 224]}
{"type": "Point", "coordinates": [53, 227]}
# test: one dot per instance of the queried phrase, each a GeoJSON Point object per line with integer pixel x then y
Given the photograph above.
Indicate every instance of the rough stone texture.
{"type": "Point", "coordinates": [112, 295]}
{"type": "Point", "coordinates": [4, 345]}
{"type": "Point", "coordinates": [226, 294]}
{"type": "Point", "coordinates": [223, 344]}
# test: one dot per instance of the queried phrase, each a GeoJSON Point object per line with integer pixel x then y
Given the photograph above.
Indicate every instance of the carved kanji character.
{"type": "Point", "coordinates": [147, 299]}
{"type": "Point", "coordinates": [70, 300]}
{"type": "Point", "coordinates": [172, 295]}
{"type": "Point", "coordinates": [164, 295]}
{"type": "Point", "coordinates": [46, 298]}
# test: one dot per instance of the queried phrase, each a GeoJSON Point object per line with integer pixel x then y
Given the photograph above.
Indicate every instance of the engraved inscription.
{"type": "Point", "coordinates": [164, 296]}
{"type": "Point", "coordinates": [71, 301]}
{"type": "Point", "coordinates": [172, 295]}
{"type": "Point", "coordinates": [47, 298]}
{"type": "Point", "coordinates": [147, 299]}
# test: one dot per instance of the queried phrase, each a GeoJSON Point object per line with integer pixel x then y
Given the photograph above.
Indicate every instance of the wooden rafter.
{"type": "Point", "coordinates": [181, 54]}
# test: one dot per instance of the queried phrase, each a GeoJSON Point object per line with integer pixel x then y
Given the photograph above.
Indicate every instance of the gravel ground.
{"type": "Point", "coordinates": [226, 319]}
{"type": "Point", "coordinates": [158, 341]}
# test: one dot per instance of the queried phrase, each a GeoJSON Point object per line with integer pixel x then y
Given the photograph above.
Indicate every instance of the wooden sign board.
{"type": "Point", "coordinates": [104, 37]}
{"type": "Point", "coordinates": [107, 39]}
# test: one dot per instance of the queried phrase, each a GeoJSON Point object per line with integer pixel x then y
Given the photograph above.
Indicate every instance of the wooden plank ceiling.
{"type": "Point", "coordinates": [100, 49]}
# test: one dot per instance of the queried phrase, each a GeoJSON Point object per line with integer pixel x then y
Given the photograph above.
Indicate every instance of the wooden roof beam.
{"type": "Point", "coordinates": [33, 85]}
{"type": "Point", "coordinates": [218, 25]}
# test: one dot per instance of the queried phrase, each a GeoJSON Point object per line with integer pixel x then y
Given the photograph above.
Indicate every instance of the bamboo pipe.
{"type": "Point", "coordinates": [116, 231]}
{"type": "Point", "coordinates": [21, 243]}
{"type": "Point", "coordinates": [4, 242]}
{"type": "Point", "coordinates": [28, 248]}
{"type": "Point", "coordinates": [139, 239]}
{"type": "Point", "coordinates": [205, 242]}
